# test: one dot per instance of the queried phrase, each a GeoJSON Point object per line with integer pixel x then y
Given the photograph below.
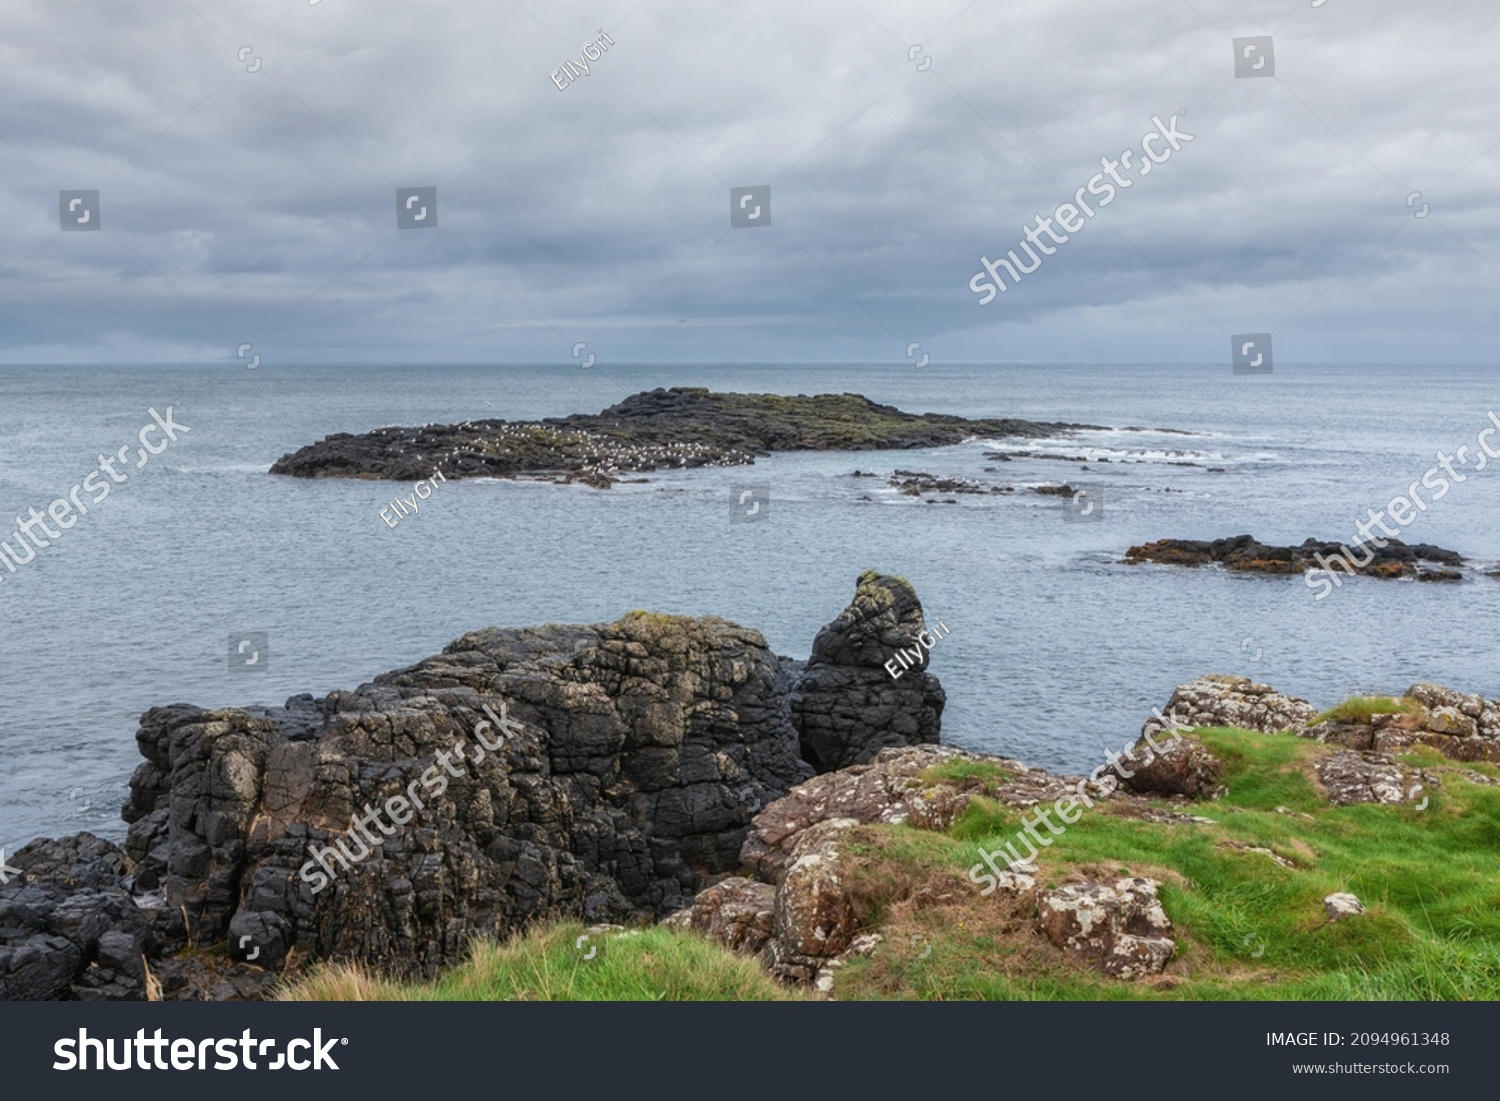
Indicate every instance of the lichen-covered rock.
{"type": "Point", "coordinates": [1222, 700]}
{"type": "Point", "coordinates": [889, 789]}
{"type": "Point", "coordinates": [1121, 929]}
{"type": "Point", "coordinates": [1341, 905]}
{"type": "Point", "coordinates": [1465, 727]}
{"type": "Point", "coordinates": [620, 771]}
{"type": "Point", "coordinates": [1174, 766]}
{"type": "Point", "coordinates": [846, 705]}
{"type": "Point", "coordinates": [814, 919]}
{"type": "Point", "coordinates": [736, 912]}
{"type": "Point", "coordinates": [1356, 776]}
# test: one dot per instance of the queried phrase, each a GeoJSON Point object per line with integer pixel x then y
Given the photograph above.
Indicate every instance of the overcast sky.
{"type": "Point", "coordinates": [259, 207]}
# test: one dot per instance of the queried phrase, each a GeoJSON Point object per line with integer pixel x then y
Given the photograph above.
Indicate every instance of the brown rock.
{"type": "Point", "coordinates": [1121, 929]}
{"type": "Point", "coordinates": [890, 789]}
{"type": "Point", "coordinates": [814, 919]}
{"type": "Point", "coordinates": [1179, 766]}
{"type": "Point", "coordinates": [736, 913]}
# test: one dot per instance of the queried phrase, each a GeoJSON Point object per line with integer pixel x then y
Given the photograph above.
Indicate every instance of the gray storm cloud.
{"type": "Point", "coordinates": [253, 199]}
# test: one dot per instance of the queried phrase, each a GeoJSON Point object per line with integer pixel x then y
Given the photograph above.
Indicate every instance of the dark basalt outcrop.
{"type": "Point", "coordinates": [847, 705]}
{"type": "Point", "coordinates": [654, 430]}
{"type": "Point", "coordinates": [1244, 552]}
{"type": "Point", "coordinates": [604, 772]}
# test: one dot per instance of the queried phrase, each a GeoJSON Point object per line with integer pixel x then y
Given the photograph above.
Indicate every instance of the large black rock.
{"type": "Point", "coordinates": [847, 704]}
{"type": "Point", "coordinates": [601, 772]}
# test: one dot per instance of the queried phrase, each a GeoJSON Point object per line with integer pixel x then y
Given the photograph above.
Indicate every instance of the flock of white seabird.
{"type": "Point", "coordinates": [603, 453]}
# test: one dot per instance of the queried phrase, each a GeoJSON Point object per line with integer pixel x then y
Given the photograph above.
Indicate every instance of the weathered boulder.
{"type": "Point", "coordinates": [1361, 776]}
{"type": "Point", "coordinates": [814, 920]}
{"type": "Point", "coordinates": [846, 705]}
{"type": "Point", "coordinates": [1174, 766]}
{"type": "Point", "coordinates": [1121, 929]}
{"type": "Point", "coordinates": [1341, 905]}
{"type": "Point", "coordinates": [736, 912]}
{"type": "Point", "coordinates": [1223, 700]}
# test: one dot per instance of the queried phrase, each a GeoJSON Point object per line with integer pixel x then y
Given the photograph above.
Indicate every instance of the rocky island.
{"type": "Point", "coordinates": [1247, 554]}
{"type": "Point", "coordinates": [653, 430]}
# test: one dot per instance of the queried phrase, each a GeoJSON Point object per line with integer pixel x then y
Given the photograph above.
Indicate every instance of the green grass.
{"type": "Point", "coordinates": [957, 770]}
{"type": "Point", "coordinates": [548, 963]}
{"type": "Point", "coordinates": [1246, 927]}
{"type": "Point", "coordinates": [1360, 709]}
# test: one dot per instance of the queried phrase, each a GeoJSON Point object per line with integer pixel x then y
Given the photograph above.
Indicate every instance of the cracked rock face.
{"type": "Point", "coordinates": [847, 706]}
{"type": "Point", "coordinates": [814, 918]}
{"type": "Point", "coordinates": [68, 929]}
{"type": "Point", "coordinates": [1119, 928]}
{"type": "Point", "coordinates": [620, 770]}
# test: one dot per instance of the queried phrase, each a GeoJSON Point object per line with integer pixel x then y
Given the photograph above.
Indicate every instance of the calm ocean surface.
{"type": "Point", "coordinates": [1057, 652]}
